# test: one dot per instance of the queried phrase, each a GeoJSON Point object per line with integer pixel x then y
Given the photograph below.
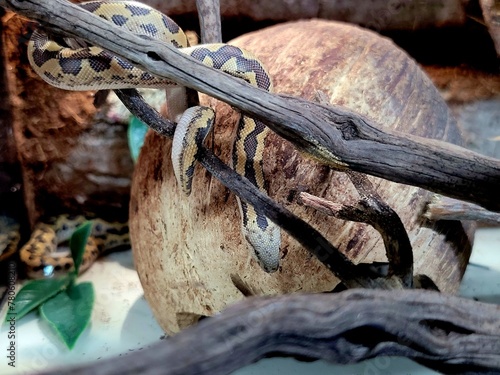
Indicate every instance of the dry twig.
{"type": "Point", "coordinates": [371, 209]}
{"type": "Point", "coordinates": [444, 208]}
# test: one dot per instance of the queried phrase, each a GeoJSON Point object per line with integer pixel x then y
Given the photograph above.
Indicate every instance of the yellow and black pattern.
{"type": "Point", "coordinates": [40, 254]}
{"type": "Point", "coordinates": [262, 234]}
{"type": "Point", "coordinates": [92, 68]}
{"type": "Point", "coordinates": [190, 132]}
{"type": "Point", "coordinates": [9, 237]}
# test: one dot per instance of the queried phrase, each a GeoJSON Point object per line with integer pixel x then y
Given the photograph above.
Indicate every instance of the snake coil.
{"type": "Point", "coordinates": [92, 68]}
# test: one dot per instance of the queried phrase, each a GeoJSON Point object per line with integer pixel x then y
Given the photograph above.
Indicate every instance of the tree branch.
{"type": "Point", "coordinates": [210, 25]}
{"type": "Point", "coordinates": [372, 210]}
{"type": "Point", "coordinates": [351, 276]}
{"type": "Point", "coordinates": [335, 136]}
{"type": "Point", "coordinates": [433, 329]}
{"type": "Point", "coordinates": [443, 208]}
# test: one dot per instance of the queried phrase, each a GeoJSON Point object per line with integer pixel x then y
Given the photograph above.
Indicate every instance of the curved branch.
{"type": "Point", "coordinates": [351, 276]}
{"type": "Point", "coordinates": [433, 329]}
{"type": "Point", "coordinates": [372, 210]}
{"type": "Point", "coordinates": [335, 136]}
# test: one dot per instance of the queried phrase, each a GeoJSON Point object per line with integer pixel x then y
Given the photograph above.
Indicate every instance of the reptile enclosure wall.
{"type": "Point", "coordinates": [73, 159]}
{"type": "Point", "coordinates": [189, 252]}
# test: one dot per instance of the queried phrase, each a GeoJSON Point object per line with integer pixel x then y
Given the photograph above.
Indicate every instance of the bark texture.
{"type": "Point", "coordinates": [70, 161]}
{"type": "Point", "coordinates": [436, 330]}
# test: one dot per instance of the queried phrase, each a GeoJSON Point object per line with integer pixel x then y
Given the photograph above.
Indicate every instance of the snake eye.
{"type": "Point", "coordinates": [48, 271]}
{"type": "Point", "coordinates": [98, 228]}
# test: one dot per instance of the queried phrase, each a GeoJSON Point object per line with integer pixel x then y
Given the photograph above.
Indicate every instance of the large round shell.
{"type": "Point", "coordinates": [189, 251]}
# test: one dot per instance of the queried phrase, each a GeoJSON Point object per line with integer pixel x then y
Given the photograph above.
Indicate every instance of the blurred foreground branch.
{"type": "Point", "coordinates": [436, 330]}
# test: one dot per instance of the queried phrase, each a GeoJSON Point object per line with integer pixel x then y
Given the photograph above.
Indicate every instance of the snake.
{"type": "Point", "coordinates": [72, 66]}
{"type": "Point", "coordinates": [9, 237]}
{"type": "Point", "coordinates": [42, 257]}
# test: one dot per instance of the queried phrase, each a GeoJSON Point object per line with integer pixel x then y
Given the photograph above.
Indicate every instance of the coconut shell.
{"type": "Point", "coordinates": [189, 251]}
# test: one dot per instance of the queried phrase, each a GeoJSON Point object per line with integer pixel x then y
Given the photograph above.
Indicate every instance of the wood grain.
{"type": "Point", "coordinates": [436, 330]}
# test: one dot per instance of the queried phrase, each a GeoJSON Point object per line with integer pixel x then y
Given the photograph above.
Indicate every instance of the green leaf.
{"type": "Point", "coordinates": [68, 313]}
{"type": "Point", "coordinates": [136, 133]}
{"type": "Point", "coordinates": [77, 243]}
{"type": "Point", "coordinates": [33, 294]}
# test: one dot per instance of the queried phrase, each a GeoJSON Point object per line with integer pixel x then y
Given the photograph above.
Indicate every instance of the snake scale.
{"type": "Point", "coordinates": [40, 254]}
{"type": "Point", "coordinates": [63, 64]}
{"type": "Point", "coordinates": [9, 237]}
{"type": "Point", "coordinates": [44, 254]}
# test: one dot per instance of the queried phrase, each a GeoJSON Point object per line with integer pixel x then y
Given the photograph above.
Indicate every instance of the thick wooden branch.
{"type": "Point", "coordinates": [335, 136]}
{"type": "Point", "coordinates": [439, 331]}
{"type": "Point", "coordinates": [209, 16]}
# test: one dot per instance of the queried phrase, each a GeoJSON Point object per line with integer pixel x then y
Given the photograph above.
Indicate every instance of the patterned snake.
{"type": "Point", "coordinates": [77, 67]}
{"type": "Point", "coordinates": [40, 255]}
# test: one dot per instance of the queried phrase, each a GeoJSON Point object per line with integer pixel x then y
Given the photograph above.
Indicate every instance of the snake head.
{"type": "Point", "coordinates": [265, 245]}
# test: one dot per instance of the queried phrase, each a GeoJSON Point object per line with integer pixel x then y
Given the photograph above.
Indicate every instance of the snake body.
{"type": "Point", "coordinates": [40, 254]}
{"type": "Point", "coordinates": [92, 68]}
{"type": "Point", "coordinates": [9, 237]}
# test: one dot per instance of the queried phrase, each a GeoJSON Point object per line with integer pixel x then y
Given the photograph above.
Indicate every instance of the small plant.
{"type": "Point", "coordinates": [64, 305]}
{"type": "Point", "coordinates": [136, 133]}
